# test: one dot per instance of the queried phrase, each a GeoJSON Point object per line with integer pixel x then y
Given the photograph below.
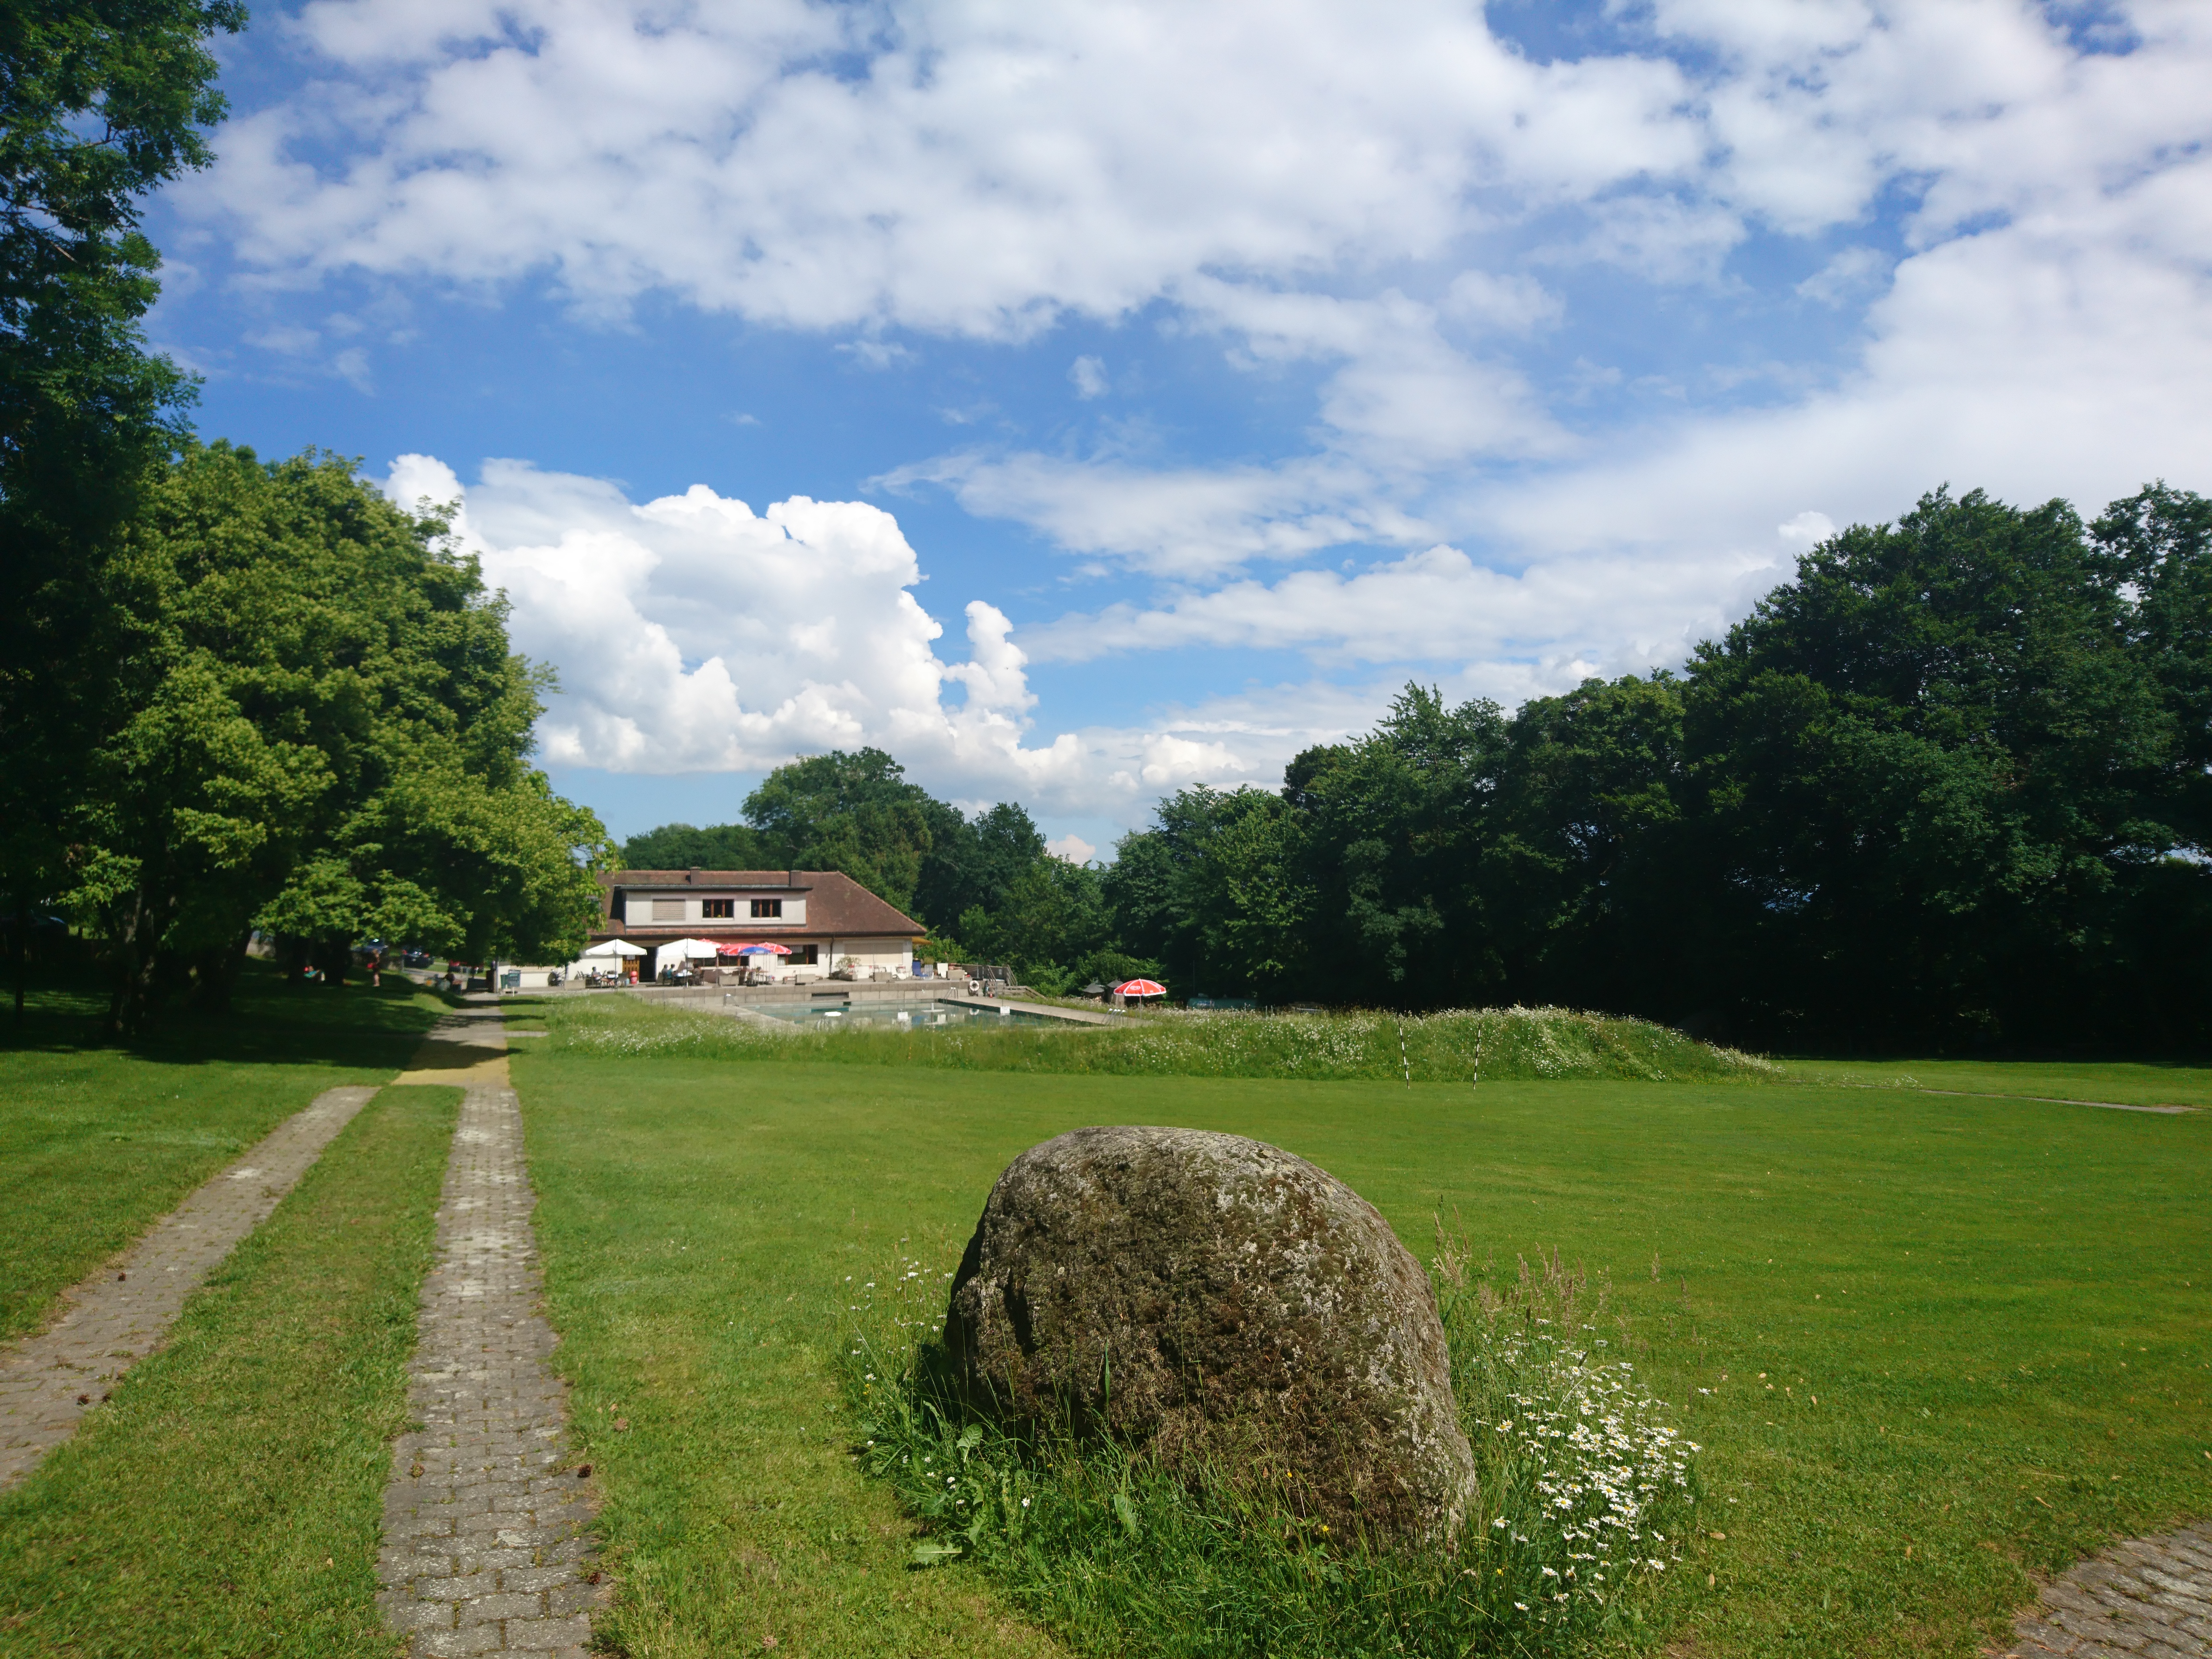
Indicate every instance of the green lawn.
{"type": "Point", "coordinates": [2117, 1083]}
{"type": "Point", "coordinates": [228, 1501]}
{"type": "Point", "coordinates": [1983, 1325]}
{"type": "Point", "coordinates": [96, 1142]}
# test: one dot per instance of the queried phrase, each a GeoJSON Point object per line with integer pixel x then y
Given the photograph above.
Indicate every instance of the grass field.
{"type": "Point", "coordinates": [95, 1142]}
{"type": "Point", "coordinates": [1934, 1344]}
{"type": "Point", "coordinates": [228, 1501]}
{"type": "Point", "coordinates": [1948, 1342]}
{"type": "Point", "coordinates": [2117, 1083]}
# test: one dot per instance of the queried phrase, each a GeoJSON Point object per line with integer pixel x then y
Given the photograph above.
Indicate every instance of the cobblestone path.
{"type": "Point", "coordinates": [484, 1549]}
{"type": "Point", "coordinates": [2149, 1598]}
{"type": "Point", "coordinates": [120, 1314]}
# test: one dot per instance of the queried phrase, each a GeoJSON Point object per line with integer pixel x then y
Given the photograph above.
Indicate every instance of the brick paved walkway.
{"type": "Point", "coordinates": [2149, 1598]}
{"type": "Point", "coordinates": [484, 1544]}
{"type": "Point", "coordinates": [119, 1315]}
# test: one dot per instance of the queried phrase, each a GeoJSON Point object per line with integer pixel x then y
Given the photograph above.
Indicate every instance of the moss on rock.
{"type": "Point", "coordinates": [1213, 1300]}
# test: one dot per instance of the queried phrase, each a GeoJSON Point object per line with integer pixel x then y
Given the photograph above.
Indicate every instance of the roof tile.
{"type": "Point", "coordinates": [836, 903]}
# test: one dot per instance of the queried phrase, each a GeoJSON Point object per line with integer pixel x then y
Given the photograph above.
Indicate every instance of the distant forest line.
{"type": "Point", "coordinates": [1948, 788]}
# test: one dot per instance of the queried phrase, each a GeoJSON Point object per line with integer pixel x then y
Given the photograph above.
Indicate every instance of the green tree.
{"type": "Point", "coordinates": [975, 862]}
{"type": "Point", "coordinates": [326, 736]}
{"type": "Point", "coordinates": [1939, 769]}
{"type": "Point", "coordinates": [682, 847]}
{"type": "Point", "coordinates": [2155, 550]}
{"type": "Point", "coordinates": [100, 102]}
{"type": "Point", "coordinates": [1141, 889]}
{"type": "Point", "coordinates": [1050, 917]}
{"type": "Point", "coordinates": [1576, 868]}
{"type": "Point", "coordinates": [1211, 893]}
{"type": "Point", "coordinates": [858, 814]}
{"type": "Point", "coordinates": [1386, 833]}
{"type": "Point", "coordinates": [855, 812]}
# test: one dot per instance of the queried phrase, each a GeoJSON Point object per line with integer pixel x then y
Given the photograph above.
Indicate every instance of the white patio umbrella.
{"type": "Point", "coordinates": [616, 947]}
{"type": "Point", "coordinates": [690, 949]}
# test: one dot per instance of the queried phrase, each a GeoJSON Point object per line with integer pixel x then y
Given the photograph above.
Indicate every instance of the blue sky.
{"type": "Point", "coordinates": [1153, 389]}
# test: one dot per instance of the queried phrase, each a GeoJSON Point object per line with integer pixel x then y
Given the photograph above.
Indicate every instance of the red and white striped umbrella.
{"type": "Point", "coordinates": [1141, 987]}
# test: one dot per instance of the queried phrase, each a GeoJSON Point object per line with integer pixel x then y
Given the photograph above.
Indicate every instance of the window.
{"type": "Point", "coordinates": [668, 909]}
{"type": "Point", "coordinates": [804, 956]}
{"type": "Point", "coordinates": [711, 907]}
{"type": "Point", "coordinates": [767, 906]}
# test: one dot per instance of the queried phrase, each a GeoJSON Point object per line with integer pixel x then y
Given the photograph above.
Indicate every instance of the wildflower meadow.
{"type": "Point", "coordinates": [1460, 1047]}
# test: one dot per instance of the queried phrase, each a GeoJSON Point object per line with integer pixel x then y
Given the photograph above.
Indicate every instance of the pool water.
{"type": "Point", "coordinates": [921, 1016]}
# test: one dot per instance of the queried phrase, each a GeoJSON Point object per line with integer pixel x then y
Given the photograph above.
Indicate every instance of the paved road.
{"type": "Point", "coordinates": [120, 1314]}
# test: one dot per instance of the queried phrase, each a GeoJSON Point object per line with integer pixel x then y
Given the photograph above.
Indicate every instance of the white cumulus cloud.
{"type": "Point", "coordinates": [1555, 620]}
{"type": "Point", "coordinates": [690, 634]}
{"type": "Point", "coordinates": [974, 168]}
{"type": "Point", "coordinates": [2002, 209]}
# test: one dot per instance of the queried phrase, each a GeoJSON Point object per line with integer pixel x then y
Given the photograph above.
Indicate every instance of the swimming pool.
{"type": "Point", "coordinates": [919, 1017]}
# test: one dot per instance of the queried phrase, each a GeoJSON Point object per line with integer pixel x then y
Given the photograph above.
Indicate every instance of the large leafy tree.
{"type": "Point", "coordinates": [100, 101]}
{"type": "Point", "coordinates": [854, 812]}
{"type": "Point", "coordinates": [686, 846]}
{"type": "Point", "coordinates": [325, 736]}
{"type": "Point", "coordinates": [1384, 833]}
{"type": "Point", "coordinates": [1578, 858]}
{"type": "Point", "coordinates": [1213, 894]}
{"type": "Point", "coordinates": [1937, 769]}
{"type": "Point", "coordinates": [1050, 918]}
{"type": "Point", "coordinates": [2154, 550]}
{"type": "Point", "coordinates": [1143, 892]}
{"type": "Point", "coordinates": [977, 864]}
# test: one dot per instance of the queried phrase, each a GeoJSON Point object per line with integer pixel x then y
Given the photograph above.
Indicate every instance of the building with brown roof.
{"type": "Point", "coordinates": [821, 916]}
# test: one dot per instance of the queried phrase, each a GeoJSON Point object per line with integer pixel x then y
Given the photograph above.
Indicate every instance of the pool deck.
{"type": "Point", "coordinates": [1049, 1011]}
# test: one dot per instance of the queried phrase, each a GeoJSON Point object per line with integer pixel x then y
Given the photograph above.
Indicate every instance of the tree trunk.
{"type": "Point", "coordinates": [138, 967]}
{"type": "Point", "coordinates": [215, 974]}
{"type": "Point", "coordinates": [23, 949]}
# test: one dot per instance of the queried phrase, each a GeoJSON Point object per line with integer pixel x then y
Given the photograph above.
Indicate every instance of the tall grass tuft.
{"type": "Point", "coordinates": [1585, 1490]}
{"type": "Point", "coordinates": [1505, 1043]}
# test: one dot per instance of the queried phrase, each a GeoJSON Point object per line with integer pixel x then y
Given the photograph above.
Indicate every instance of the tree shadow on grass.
{"type": "Point", "coordinates": [271, 1022]}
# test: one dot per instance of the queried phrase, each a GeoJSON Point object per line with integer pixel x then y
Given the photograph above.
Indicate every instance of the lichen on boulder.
{"type": "Point", "coordinates": [1215, 1302]}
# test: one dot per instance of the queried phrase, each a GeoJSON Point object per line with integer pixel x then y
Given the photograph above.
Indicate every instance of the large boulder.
{"type": "Point", "coordinates": [1215, 1301]}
